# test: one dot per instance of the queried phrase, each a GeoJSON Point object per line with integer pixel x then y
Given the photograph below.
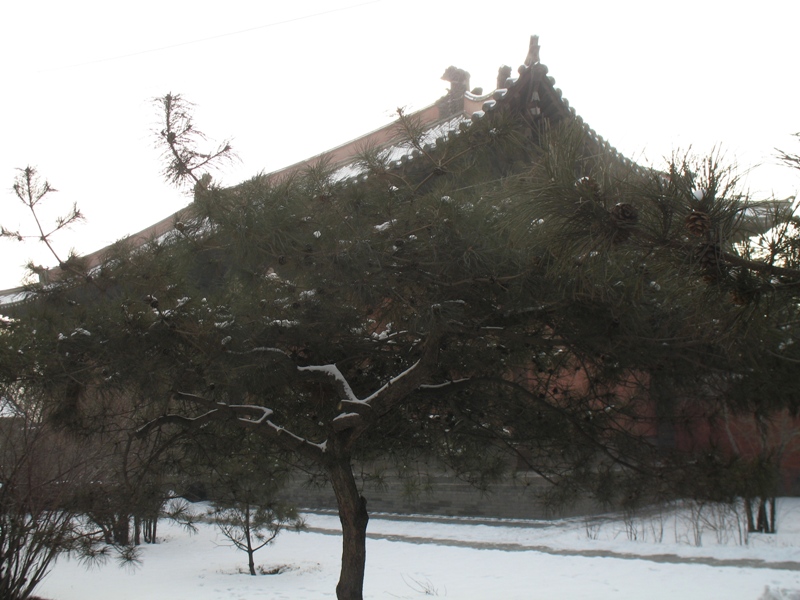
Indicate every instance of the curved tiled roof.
{"type": "Point", "coordinates": [531, 92]}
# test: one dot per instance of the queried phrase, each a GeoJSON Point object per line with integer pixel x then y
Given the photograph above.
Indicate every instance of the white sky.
{"type": "Point", "coordinates": [305, 76]}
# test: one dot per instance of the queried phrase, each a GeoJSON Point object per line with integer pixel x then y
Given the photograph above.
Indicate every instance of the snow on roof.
{"type": "Point", "coordinates": [398, 151]}
{"type": "Point", "coordinates": [455, 110]}
{"type": "Point", "coordinates": [14, 296]}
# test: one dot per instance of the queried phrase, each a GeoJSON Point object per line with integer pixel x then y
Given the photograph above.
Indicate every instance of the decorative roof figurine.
{"type": "Point", "coordinates": [533, 52]}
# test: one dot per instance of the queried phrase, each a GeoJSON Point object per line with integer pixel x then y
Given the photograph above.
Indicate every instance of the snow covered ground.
{"type": "Point", "coordinates": [608, 557]}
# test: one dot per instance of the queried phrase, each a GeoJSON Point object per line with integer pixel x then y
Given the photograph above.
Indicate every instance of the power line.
{"type": "Point", "coordinates": [213, 37]}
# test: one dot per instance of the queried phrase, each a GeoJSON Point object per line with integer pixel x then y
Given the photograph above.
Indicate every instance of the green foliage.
{"type": "Point", "coordinates": [31, 191]}
{"type": "Point", "coordinates": [243, 477]}
{"type": "Point", "coordinates": [501, 250]}
{"type": "Point", "coordinates": [178, 139]}
{"type": "Point", "coordinates": [508, 291]}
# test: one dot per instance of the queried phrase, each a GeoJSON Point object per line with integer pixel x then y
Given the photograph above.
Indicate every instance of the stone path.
{"type": "Point", "coordinates": [750, 563]}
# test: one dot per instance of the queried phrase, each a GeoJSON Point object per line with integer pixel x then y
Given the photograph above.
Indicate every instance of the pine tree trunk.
{"type": "Point", "coordinates": [137, 530]}
{"type": "Point", "coordinates": [751, 523]}
{"type": "Point", "coordinates": [150, 530]}
{"type": "Point", "coordinates": [122, 528]}
{"type": "Point", "coordinates": [762, 523]}
{"type": "Point", "coordinates": [251, 564]}
{"type": "Point", "coordinates": [772, 517]}
{"type": "Point", "coordinates": [250, 551]}
{"type": "Point", "coordinates": [353, 516]}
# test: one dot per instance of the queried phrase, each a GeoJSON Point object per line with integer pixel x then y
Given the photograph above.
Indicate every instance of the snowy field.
{"type": "Point", "coordinates": [700, 555]}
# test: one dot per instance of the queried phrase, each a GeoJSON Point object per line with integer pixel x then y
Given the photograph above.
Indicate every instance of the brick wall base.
{"type": "Point", "coordinates": [444, 495]}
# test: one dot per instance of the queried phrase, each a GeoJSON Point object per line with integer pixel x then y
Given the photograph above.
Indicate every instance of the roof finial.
{"type": "Point", "coordinates": [453, 102]}
{"type": "Point", "coordinates": [503, 73]}
{"type": "Point", "coordinates": [533, 52]}
{"type": "Point", "coordinates": [458, 79]}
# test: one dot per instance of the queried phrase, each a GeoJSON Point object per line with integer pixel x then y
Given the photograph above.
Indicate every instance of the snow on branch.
{"type": "Point", "coordinates": [390, 383]}
{"type": "Point", "coordinates": [436, 386]}
{"type": "Point", "coordinates": [265, 412]}
{"type": "Point", "coordinates": [350, 396]}
{"type": "Point", "coordinates": [260, 413]}
{"type": "Point", "coordinates": [355, 409]}
{"type": "Point", "coordinates": [385, 226]}
{"type": "Point", "coordinates": [333, 371]}
{"type": "Point", "coordinates": [295, 440]}
{"type": "Point", "coordinates": [176, 419]}
{"type": "Point", "coordinates": [246, 415]}
{"type": "Point", "coordinates": [259, 349]}
{"type": "Point", "coordinates": [346, 421]}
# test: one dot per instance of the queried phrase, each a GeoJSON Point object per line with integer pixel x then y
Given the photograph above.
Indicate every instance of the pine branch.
{"type": "Point", "coordinates": [244, 415]}
{"type": "Point", "coordinates": [180, 137]}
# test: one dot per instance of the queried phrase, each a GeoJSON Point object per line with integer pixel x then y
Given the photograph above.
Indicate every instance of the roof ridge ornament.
{"type": "Point", "coordinates": [453, 102]}
{"type": "Point", "coordinates": [458, 79]}
{"type": "Point", "coordinates": [503, 73]}
{"type": "Point", "coordinates": [533, 52]}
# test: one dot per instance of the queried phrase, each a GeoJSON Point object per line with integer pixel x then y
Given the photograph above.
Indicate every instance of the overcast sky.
{"type": "Point", "coordinates": [289, 80]}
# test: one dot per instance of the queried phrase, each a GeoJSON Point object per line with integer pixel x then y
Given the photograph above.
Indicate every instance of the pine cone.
{"type": "Point", "coordinates": [698, 223]}
{"type": "Point", "coordinates": [588, 188]}
{"type": "Point", "coordinates": [745, 288]}
{"type": "Point", "coordinates": [624, 215]}
{"type": "Point", "coordinates": [707, 257]}
{"type": "Point", "coordinates": [741, 297]}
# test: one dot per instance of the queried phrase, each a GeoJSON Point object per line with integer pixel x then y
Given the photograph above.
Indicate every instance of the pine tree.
{"type": "Point", "coordinates": [504, 293]}
{"type": "Point", "coordinates": [243, 477]}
